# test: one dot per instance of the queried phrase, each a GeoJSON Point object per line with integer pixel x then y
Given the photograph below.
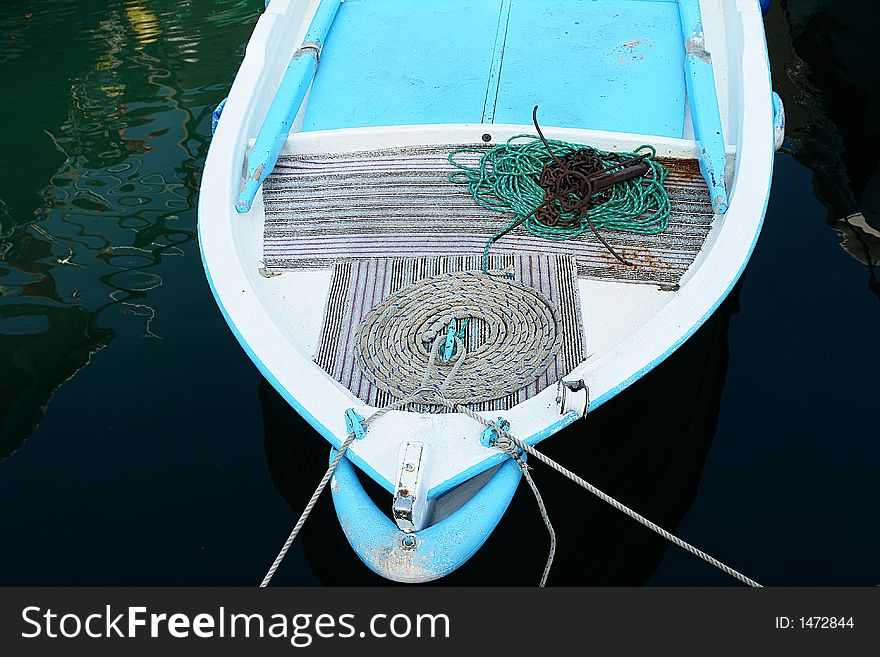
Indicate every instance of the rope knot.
{"type": "Point", "coordinates": [503, 442]}
{"type": "Point", "coordinates": [500, 439]}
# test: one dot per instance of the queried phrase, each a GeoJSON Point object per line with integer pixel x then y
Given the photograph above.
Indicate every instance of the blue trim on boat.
{"type": "Point", "coordinates": [778, 120]}
{"type": "Point", "coordinates": [438, 550]}
{"type": "Point", "coordinates": [703, 102]}
{"type": "Point", "coordinates": [285, 105]}
{"type": "Point", "coordinates": [321, 22]}
{"type": "Point", "coordinates": [215, 115]}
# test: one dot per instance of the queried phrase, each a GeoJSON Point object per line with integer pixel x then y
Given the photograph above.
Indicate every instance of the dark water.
{"type": "Point", "coordinates": [138, 444]}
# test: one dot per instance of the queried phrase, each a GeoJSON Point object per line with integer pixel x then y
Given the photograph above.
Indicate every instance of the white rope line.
{"type": "Point", "coordinates": [604, 496]}
{"type": "Point", "coordinates": [305, 514]}
{"type": "Point", "coordinates": [543, 509]}
{"type": "Point", "coordinates": [514, 453]}
{"type": "Point", "coordinates": [544, 515]}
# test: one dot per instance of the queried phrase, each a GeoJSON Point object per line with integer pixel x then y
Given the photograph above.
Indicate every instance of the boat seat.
{"type": "Point", "coordinates": [587, 64]}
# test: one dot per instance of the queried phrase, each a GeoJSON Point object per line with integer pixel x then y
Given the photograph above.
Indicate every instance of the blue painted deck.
{"type": "Point", "coordinates": [606, 65]}
{"type": "Point", "coordinates": [400, 63]}
{"type": "Point", "coordinates": [596, 64]}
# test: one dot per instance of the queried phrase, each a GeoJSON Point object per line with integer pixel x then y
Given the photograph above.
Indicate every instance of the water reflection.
{"type": "Point", "coordinates": [830, 89]}
{"type": "Point", "coordinates": [112, 102]}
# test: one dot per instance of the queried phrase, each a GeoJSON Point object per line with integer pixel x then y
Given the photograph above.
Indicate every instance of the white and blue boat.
{"type": "Point", "coordinates": [350, 245]}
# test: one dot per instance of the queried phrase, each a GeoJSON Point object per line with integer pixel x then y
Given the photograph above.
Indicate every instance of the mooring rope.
{"type": "Point", "coordinates": [507, 441]}
{"type": "Point", "coordinates": [305, 514]}
{"type": "Point", "coordinates": [516, 455]}
{"type": "Point", "coordinates": [560, 204]}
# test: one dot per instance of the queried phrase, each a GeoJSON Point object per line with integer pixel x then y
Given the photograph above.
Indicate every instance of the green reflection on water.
{"type": "Point", "coordinates": [107, 122]}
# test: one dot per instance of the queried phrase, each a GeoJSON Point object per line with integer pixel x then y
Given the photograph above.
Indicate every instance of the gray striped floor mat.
{"type": "Point", "coordinates": [323, 209]}
{"type": "Point", "coordinates": [359, 285]}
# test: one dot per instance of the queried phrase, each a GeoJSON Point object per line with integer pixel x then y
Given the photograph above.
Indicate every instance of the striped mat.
{"type": "Point", "coordinates": [359, 285]}
{"type": "Point", "coordinates": [322, 209]}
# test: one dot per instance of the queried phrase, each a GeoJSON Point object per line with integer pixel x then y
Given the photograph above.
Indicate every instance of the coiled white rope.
{"type": "Point", "coordinates": [520, 336]}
